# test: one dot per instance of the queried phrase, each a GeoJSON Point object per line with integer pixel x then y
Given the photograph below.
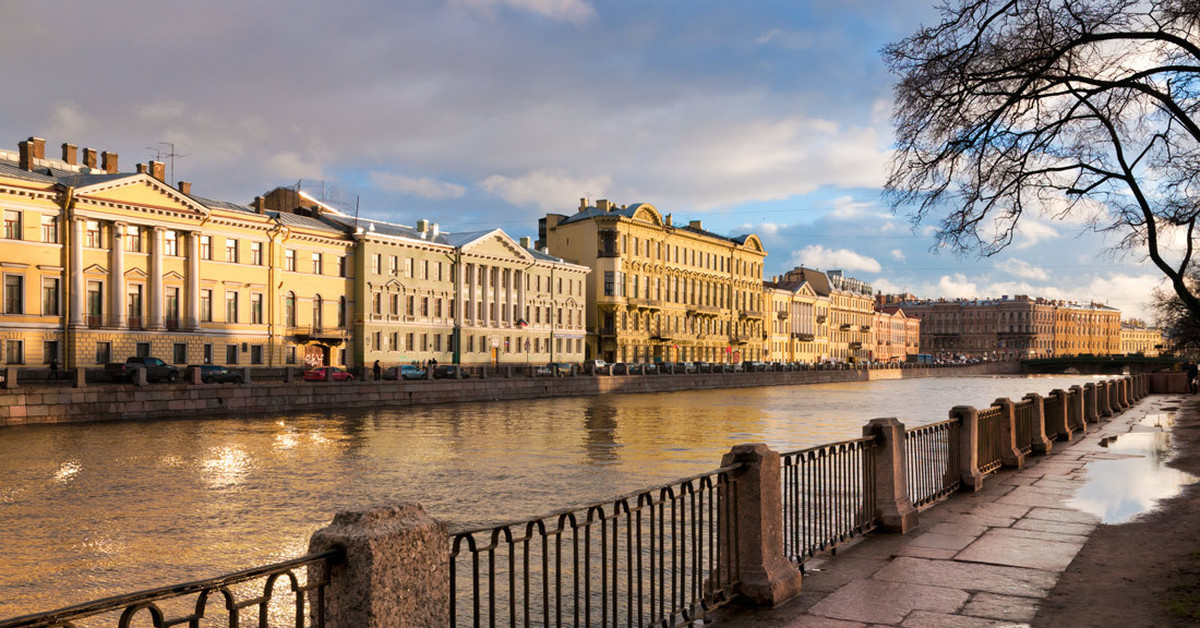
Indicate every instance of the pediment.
{"type": "Point", "coordinates": [497, 244]}
{"type": "Point", "coordinates": [95, 269]}
{"type": "Point", "coordinates": [135, 273]}
{"type": "Point", "coordinates": [140, 191]}
{"type": "Point", "coordinates": [172, 276]}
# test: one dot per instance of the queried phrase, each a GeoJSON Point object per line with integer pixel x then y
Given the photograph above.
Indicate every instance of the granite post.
{"type": "Point", "coordinates": [80, 378]}
{"type": "Point", "coordinates": [1041, 444]}
{"type": "Point", "coordinates": [1010, 452]}
{"type": "Point", "coordinates": [968, 447]}
{"type": "Point", "coordinates": [1075, 409]}
{"type": "Point", "coordinates": [1090, 413]}
{"type": "Point", "coordinates": [1056, 422]}
{"type": "Point", "coordinates": [893, 507]}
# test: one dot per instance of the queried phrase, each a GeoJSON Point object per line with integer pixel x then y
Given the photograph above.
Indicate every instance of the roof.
{"type": "Point", "coordinates": [628, 212]}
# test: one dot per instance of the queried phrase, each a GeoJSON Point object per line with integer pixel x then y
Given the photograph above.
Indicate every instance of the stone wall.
{"type": "Point", "coordinates": [57, 404]}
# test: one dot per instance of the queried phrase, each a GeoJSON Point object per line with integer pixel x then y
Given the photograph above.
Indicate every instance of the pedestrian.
{"type": "Point", "coordinates": [1193, 372]}
{"type": "Point", "coordinates": [53, 368]}
{"type": "Point", "coordinates": [377, 370]}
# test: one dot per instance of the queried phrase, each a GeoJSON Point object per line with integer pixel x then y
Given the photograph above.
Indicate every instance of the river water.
{"type": "Point", "coordinates": [91, 510]}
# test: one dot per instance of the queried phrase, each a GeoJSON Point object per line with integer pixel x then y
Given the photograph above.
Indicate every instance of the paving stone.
{"type": "Point", "coordinates": [1039, 535]}
{"type": "Point", "coordinates": [1006, 549]}
{"type": "Point", "coordinates": [1001, 510]}
{"type": "Point", "coordinates": [1060, 527]}
{"type": "Point", "coordinates": [926, 552]}
{"type": "Point", "coordinates": [943, 541]}
{"type": "Point", "coordinates": [834, 574]}
{"type": "Point", "coordinates": [973, 577]}
{"type": "Point", "coordinates": [1062, 514]}
{"type": "Point", "coordinates": [1011, 608]}
{"type": "Point", "coordinates": [810, 621]}
{"type": "Point", "coordinates": [951, 527]}
{"type": "Point", "coordinates": [922, 619]}
{"type": "Point", "coordinates": [1028, 496]}
{"type": "Point", "coordinates": [989, 522]}
{"type": "Point", "coordinates": [883, 602]}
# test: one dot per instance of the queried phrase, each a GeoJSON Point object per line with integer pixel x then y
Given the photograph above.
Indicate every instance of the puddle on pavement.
{"type": "Point", "coordinates": [1120, 489]}
{"type": "Point", "coordinates": [1161, 420]}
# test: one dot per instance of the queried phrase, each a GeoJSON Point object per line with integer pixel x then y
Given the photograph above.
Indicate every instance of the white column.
{"type": "Point", "coordinates": [155, 283]}
{"type": "Point", "coordinates": [496, 297]}
{"type": "Point", "coordinates": [192, 282]}
{"type": "Point", "coordinates": [76, 283]}
{"type": "Point", "coordinates": [116, 275]}
{"type": "Point", "coordinates": [522, 279]}
{"type": "Point", "coordinates": [511, 275]}
{"type": "Point", "coordinates": [473, 296]}
{"type": "Point", "coordinates": [484, 280]}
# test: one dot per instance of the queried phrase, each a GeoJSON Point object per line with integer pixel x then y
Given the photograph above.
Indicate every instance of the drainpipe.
{"type": "Point", "coordinates": [68, 216]}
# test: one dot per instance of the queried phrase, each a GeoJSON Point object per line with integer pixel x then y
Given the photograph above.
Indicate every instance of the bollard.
{"type": "Point", "coordinates": [139, 376]}
{"type": "Point", "coordinates": [1057, 422]}
{"type": "Point", "coordinates": [428, 372]}
{"type": "Point", "coordinates": [968, 447]}
{"type": "Point", "coordinates": [288, 376]}
{"type": "Point", "coordinates": [766, 577]}
{"type": "Point", "coordinates": [508, 372]}
{"type": "Point", "coordinates": [1075, 409]}
{"type": "Point", "coordinates": [1041, 444]}
{"type": "Point", "coordinates": [246, 375]}
{"type": "Point", "coordinates": [10, 378]}
{"type": "Point", "coordinates": [1010, 454]}
{"type": "Point", "coordinates": [80, 378]}
{"type": "Point", "coordinates": [394, 575]}
{"type": "Point", "coordinates": [1090, 410]}
{"type": "Point", "coordinates": [193, 376]}
{"type": "Point", "coordinates": [1123, 386]}
{"type": "Point", "coordinates": [1103, 400]}
{"type": "Point", "coordinates": [893, 507]}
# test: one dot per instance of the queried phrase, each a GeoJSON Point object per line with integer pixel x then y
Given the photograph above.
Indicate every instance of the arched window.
{"type": "Point", "coordinates": [289, 309]}
{"type": "Point", "coordinates": [316, 314]}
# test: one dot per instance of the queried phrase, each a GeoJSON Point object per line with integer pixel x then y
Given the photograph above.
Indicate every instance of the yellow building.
{"type": "Point", "coordinates": [795, 335]}
{"type": "Point", "coordinates": [897, 335]}
{"type": "Point", "coordinates": [660, 291]}
{"type": "Point", "coordinates": [101, 265]}
{"type": "Point", "coordinates": [851, 312]}
{"type": "Point", "coordinates": [1136, 337]}
{"type": "Point", "coordinates": [1091, 329]}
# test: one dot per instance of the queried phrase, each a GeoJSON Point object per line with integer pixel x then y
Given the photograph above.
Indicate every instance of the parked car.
{"type": "Point", "coordinates": [156, 370]}
{"type": "Point", "coordinates": [620, 368]}
{"type": "Point", "coordinates": [319, 374]}
{"type": "Point", "coordinates": [543, 371]}
{"type": "Point", "coordinates": [560, 369]}
{"type": "Point", "coordinates": [404, 371]}
{"type": "Point", "coordinates": [594, 366]}
{"type": "Point", "coordinates": [216, 374]}
{"type": "Point", "coordinates": [450, 371]}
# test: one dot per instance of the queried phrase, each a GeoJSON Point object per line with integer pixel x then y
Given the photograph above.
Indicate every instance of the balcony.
{"type": "Point", "coordinates": [331, 336]}
{"type": "Point", "coordinates": [821, 318]}
{"type": "Point", "coordinates": [135, 322]}
{"type": "Point", "coordinates": [750, 315]}
{"type": "Point", "coordinates": [856, 345]}
{"type": "Point", "coordinates": [644, 304]}
{"type": "Point", "coordinates": [704, 310]}
{"type": "Point", "coordinates": [607, 331]}
{"type": "Point", "coordinates": [95, 322]}
{"type": "Point", "coordinates": [865, 328]}
{"type": "Point", "coordinates": [782, 315]}
{"type": "Point", "coordinates": [607, 252]}
{"type": "Point", "coordinates": [802, 337]}
{"type": "Point", "coordinates": [845, 327]}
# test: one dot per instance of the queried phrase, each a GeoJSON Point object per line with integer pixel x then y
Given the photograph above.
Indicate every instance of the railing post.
{"type": "Point", "coordinates": [1058, 422]}
{"type": "Point", "coordinates": [893, 506]}
{"type": "Point", "coordinates": [246, 375]}
{"type": "Point", "coordinates": [968, 447]}
{"type": "Point", "coordinates": [1075, 407]}
{"type": "Point", "coordinates": [1041, 443]}
{"type": "Point", "coordinates": [1103, 400]}
{"type": "Point", "coordinates": [1113, 406]}
{"type": "Point", "coordinates": [80, 378]}
{"type": "Point", "coordinates": [139, 376]}
{"type": "Point", "coordinates": [1126, 400]}
{"type": "Point", "coordinates": [288, 375]}
{"type": "Point", "coordinates": [766, 577]}
{"type": "Point", "coordinates": [1090, 413]}
{"type": "Point", "coordinates": [396, 573]}
{"type": "Point", "coordinates": [1010, 453]}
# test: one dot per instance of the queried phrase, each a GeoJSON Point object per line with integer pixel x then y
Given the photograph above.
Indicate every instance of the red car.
{"type": "Point", "coordinates": [319, 374]}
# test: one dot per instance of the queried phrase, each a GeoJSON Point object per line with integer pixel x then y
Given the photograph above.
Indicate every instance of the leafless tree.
{"type": "Point", "coordinates": [1180, 329]}
{"type": "Point", "coordinates": [1081, 109]}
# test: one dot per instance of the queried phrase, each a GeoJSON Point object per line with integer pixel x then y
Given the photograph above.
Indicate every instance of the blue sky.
{"type": "Point", "coordinates": [764, 117]}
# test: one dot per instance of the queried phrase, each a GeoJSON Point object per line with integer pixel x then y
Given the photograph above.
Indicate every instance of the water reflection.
{"type": "Point", "coordinates": [1134, 479]}
{"type": "Point", "coordinates": [91, 510]}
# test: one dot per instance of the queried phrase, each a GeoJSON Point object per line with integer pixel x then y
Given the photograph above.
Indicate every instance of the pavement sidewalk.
{"type": "Point", "coordinates": [983, 559]}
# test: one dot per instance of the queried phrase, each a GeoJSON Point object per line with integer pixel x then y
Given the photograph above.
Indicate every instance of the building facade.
{"type": "Point", "coordinates": [851, 312]}
{"type": "Point", "coordinates": [795, 335]}
{"type": "Point", "coordinates": [1137, 338]}
{"type": "Point", "coordinates": [661, 292]}
{"type": "Point", "coordinates": [897, 335]}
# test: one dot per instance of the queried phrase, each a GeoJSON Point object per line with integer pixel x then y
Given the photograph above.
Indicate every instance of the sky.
{"type": "Point", "coordinates": [758, 117]}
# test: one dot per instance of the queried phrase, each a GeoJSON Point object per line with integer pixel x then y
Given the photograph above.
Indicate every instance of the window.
{"type": "Point", "coordinates": [256, 354]}
{"type": "Point", "coordinates": [231, 306]}
{"type": "Point", "coordinates": [256, 253]}
{"type": "Point", "coordinates": [231, 250]}
{"type": "Point", "coordinates": [318, 306]}
{"type": "Point", "coordinates": [408, 267]}
{"type": "Point", "coordinates": [424, 342]}
{"type": "Point", "coordinates": [207, 357]}
{"type": "Point", "coordinates": [342, 266]}
{"type": "Point", "coordinates": [395, 341]}
{"type": "Point", "coordinates": [291, 354]}
{"type": "Point", "coordinates": [408, 341]}
{"type": "Point", "coordinates": [206, 248]}
{"type": "Point", "coordinates": [377, 303]}
{"type": "Point", "coordinates": [378, 336]}
{"type": "Point", "coordinates": [50, 296]}
{"type": "Point", "coordinates": [393, 264]}
{"type": "Point", "coordinates": [12, 224]}
{"type": "Point", "coordinates": [437, 342]}
{"type": "Point", "coordinates": [289, 309]}
{"type": "Point", "coordinates": [133, 238]}
{"type": "Point", "coordinates": [142, 350]}
{"type": "Point", "coordinates": [424, 306]}
{"type": "Point", "coordinates": [95, 302]}
{"type": "Point", "coordinates": [50, 229]}
{"type": "Point", "coordinates": [94, 236]}
{"type": "Point", "coordinates": [179, 354]}
{"type": "Point", "coordinates": [133, 305]}
{"type": "Point", "coordinates": [409, 304]}
{"type": "Point", "coordinates": [256, 308]}
{"type": "Point", "coordinates": [231, 354]}
{"type": "Point", "coordinates": [170, 243]}
{"type": "Point", "coordinates": [317, 265]}
{"type": "Point", "coordinates": [394, 304]}
{"type": "Point", "coordinates": [341, 313]}
{"type": "Point", "coordinates": [103, 352]}
{"type": "Point", "coordinates": [289, 260]}
{"type": "Point", "coordinates": [424, 269]}
{"type": "Point", "coordinates": [376, 261]}
{"type": "Point", "coordinates": [614, 284]}
{"type": "Point", "coordinates": [14, 294]}
{"type": "Point", "coordinates": [206, 305]}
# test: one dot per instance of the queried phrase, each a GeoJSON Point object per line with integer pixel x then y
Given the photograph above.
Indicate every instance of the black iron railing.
{"type": "Point", "coordinates": [664, 557]}
{"type": "Point", "coordinates": [990, 437]}
{"type": "Point", "coordinates": [1026, 419]}
{"type": "Point", "coordinates": [931, 461]}
{"type": "Point", "coordinates": [828, 496]}
{"type": "Point", "coordinates": [301, 604]}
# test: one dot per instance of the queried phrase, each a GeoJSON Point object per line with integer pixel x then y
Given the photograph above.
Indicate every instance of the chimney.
{"type": "Point", "coordinates": [185, 187]}
{"type": "Point", "coordinates": [694, 224]}
{"type": "Point", "coordinates": [26, 155]}
{"type": "Point", "coordinates": [526, 242]}
{"type": "Point", "coordinates": [39, 147]}
{"type": "Point", "coordinates": [603, 204]}
{"type": "Point", "coordinates": [70, 153]}
{"type": "Point", "coordinates": [433, 230]}
{"type": "Point", "coordinates": [89, 158]}
{"type": "Point", "coordinates": [108, 162]}
{"type": "Point", "coordinates": [141, 168]}
{"type": "Point", "coordinates": [582, 204]}
{"type": "Point", "coordinates": [260, 204]}
{"type": "Point", "coordinates": [422, 226]}
{"type": "Point", "coordinates": [667, 220]}
{"type": "Point", "coordinates": [158, 170]}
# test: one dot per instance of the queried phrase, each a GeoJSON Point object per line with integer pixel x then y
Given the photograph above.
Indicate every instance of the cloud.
{"type": "Point", "coordinates": [1031, 232]}
{"type": "Point", "coordinates": [767, 36]}
{"type": "Point", "coordinates": [1023, 269]}
{"type": "Point", "coordinates": [762, 228]}
{"type": "Point", "coordinates": [898, 255]}
{"type": "Point", "coordinates": [956, 286]}
{"type": "Point", "coordinates": [423, 187]}
{"type": "Point", "coordinates": [545, 189]}
{"type": "Point", "coordinates": [817, 256]}
{"type": "Point", "coordinates": [67, 120]}
{"type": "Point", "coordinates": [573, 11]}
{"type": "Point", "coordinates": [290, 165]}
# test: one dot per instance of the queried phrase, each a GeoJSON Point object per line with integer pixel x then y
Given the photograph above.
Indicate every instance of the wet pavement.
{"type": "Point", "coordinates": [987, 559]}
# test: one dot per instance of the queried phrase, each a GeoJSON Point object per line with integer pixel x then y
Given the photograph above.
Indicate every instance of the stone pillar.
{"type": "Point", "coordinates": [193, 376]}
{"type": "Point", "coordinates": [246, 379]}
{"type": "Point", "coordinates": [522, 279]}
{"type": "Point", "coordinates": [1126, 398]}
{"type": "Point", "coordinates": [507, 314]}
{"type": "Point", "coordinates": [484, 281]}
{"type": "Point", "coordinates": [154, 282]}
{"type": "Point", "coordinates": [10, 377]}
{"type": "Point", "coordinates": [766, 576]}
{"type": "Point", "coordinates": [496, 284]}
{"type": "Point", "coordinates": [508, 372]}
{"type": "Point", "coordinates": [192, 283]}
{"type": "Point", "coordinates": [893, 506]}
{"type": "Point", "coordinates": [1041, 444]}
{"type": "Point", "coordinates": [329, 374]}
{"type": "Point", "coordinates": [289, 376]}
{"type": "Point", "coordinates": [1056, 422]}
{"type": "Point", "coordinates": [396, 570]}
{"type": "Point", "coordinates": [1103, 408]}
{"type": "Point", "coordinates": [1075, 409]}
{"type": "Point", "coordinates": [139, 376]}
{"type": "Point", "coordinates": [1010, 452]}
{"type": "Point", "coordinates": [80, 378]}
{"type": "Point", "coordinates": [968, 447]}
{"type": "Point", "coordinates": [75, 280]}
{"type": "Point", "coordinates": [116, 275]}
{"type": "Point", "coordinates": [1090, 413]}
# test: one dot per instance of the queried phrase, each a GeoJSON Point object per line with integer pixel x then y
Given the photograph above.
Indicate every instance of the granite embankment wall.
{"type": "Point", "coordinates": [109, 402]}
